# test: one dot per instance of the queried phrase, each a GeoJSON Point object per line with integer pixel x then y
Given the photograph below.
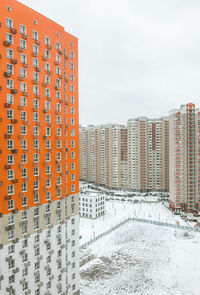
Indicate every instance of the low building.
{"type": "Point", "coordinates": [91, 205]}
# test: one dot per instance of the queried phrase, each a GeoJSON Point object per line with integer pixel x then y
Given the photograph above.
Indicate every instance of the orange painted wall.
{"type": "Point", "coordinates": [21, 14]}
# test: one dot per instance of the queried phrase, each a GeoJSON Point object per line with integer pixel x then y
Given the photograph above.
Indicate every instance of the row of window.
{"type": "Point", "coordinates": [23, 101]}
{"type": "Point", "coordinates": [23, 74]}
{"type": "Point", "coordinates": [24, 146]}
{"type": "Point", "coordinates": [10, 158]}
{"type": "Point", "coordinates": [23, 87]}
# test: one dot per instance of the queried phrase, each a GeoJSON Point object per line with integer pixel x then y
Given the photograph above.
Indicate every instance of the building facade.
{"type": "Point", "coordinates": [103, 155]}
{"type": "Point", "coordinates": [39, 171]}
{"type": "Point", "coordinates": [91, 205]}
{"type": "Point", "coordinates": [184, 158]}
{"type": "Point", "coordinates": [148, 154]}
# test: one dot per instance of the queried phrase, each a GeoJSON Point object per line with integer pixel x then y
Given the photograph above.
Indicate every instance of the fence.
{"type": "Point", "coordinates": [159, 223]}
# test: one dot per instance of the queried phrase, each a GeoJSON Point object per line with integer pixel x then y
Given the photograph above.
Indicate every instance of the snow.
{"type": "Point", "coordinates": [117, 211]}
{"type": "Point", "coordinates": [140, 258]}
{"type": "Point", "coordinates": [144, 259]}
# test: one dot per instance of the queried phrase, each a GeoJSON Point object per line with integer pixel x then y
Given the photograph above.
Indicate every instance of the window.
{"type": "Point", "coordinates": [58, 95]}
{"type": "Point", "coordinates": [23, 43]}
{"type": "Point", "coordinates": [71, 54]}
{"type": "Point", "coordinates": [47, 131]}
{"type": "Point", "coordinates": [35, 49]}
{"type": "Point", "coordinates": [23, 116]}
{"type": "Point", "coordinates": [47, 40]}
{"type": "Point", "coordinates": [9, 53]}
{"type": "Point", "coordinates": [24, 201]}
{"type": "Point", "coordinates": [35, 103]}
{"type": "Point", "coordinates": [23, 58]}
{"type": "Point", "coordinates": [35, 35]}
{"type": "Point", "coordinates": [48, 144]}
{"type": "Point", "coordinates": [24, 215]}
{"type": "Point", "coordinates": [36, 158]}
{"type": "Point", "coordinates": [47, 53]}
{"type": "Point", "coordinates": [48, 157]}
{"type": "Point", "coordinates": [72, 132]}
{"type": "Point", "coordinates": [35, 130]}
{"type": "Point", "coordinates": [58, 144]}
{"type": "Point", "coordinates": [36, 198]}
{"type": "Point", "coordinates": [10, 84]}
{"type": "Point", "coordinates": [72, 188]}
{"type": "Point", "coordinates": [10, 69]}
{"type": "Point", "coordinates": [72, 77]}
{"type": "Point", "coordinates": [23, 130]}
{"type": "Point", "coordinates": [10, 129]}
{"type": "Point", "coordinates": [10, 100]}
{"type": "Point", "coordinates": [36, 171]}
{"type": "Point", "coordinates": [24, 172]}
{"type": "Point", "coordinates": [10, 144]}
{"type": "Point", "coordinates": [10, 114]}
{"type": "Point", "coordinates": [23, 101]}
{"type": "Point", "coordinates": [36, 144]}
{"type": "Point", "coordinates": [35, 117]}
{"type": "Point", "coordinates": [71, 66]}
{"type": "Point", "coordinates": [10, 174]}
{"type": "Point", "coordinates": [35, 62]}
{"type": "Point", "coordinates": [23, 72]}
{"type": "Point", "coordinates": [58, 119]}
{"type": "Point", "coordinates": [47, 105]}
{"type": "Point", "coordinates": [48, 182]}
{"type": "Point", "coordinates": [36, 184]}
{"type": "Point", "coordinates": [11, 204]}
{"type": "Point", "coordinates": [48, 169]}
{"type": "Point", "coordinates": [59, 180]}
{"type": "Point", "coordinates": [24, 144]}
{"type": "Point", "coordinates": [58, 71]}
{"type": "Point", "coordinates": [58, 46]}
{"type": "Point", "coordinates": [72, 99]}
{"type": "Point", "coordinates": [23, 87]}
{"type": "Point", "coordinates": [47, 92]}
{"type": "Point", "coordinates": [58, 107]}
{"type": "Point", "coordinates": [48, 196]}
{"type": "Point", "coordinates": [72, 121]}
{"type": "Point", "coordinates": [10, 159]}
{"type": "Point", "coordinates": [47, 79]}
{"type": "Point", "coordinates": [58, 58]}
{"type": "Point", "coordinates": [58, 131]}
{"type": "Point", "coordinates": [58, 168]}
{"type": "Point", "coordinates": [9, 38]}
{"type": "Point", "coordinates": [24, 158]}
{"type": "Point", "coordinates": [10, 234]}
{"type": "Point", "coordinates": [35, 76]}
{"type": "Point", "coordinates": [72, 88]}
{"type": "Point", "coordinates": [47, 67]}
{"type": "Point", "coordinates": [11, 249]}
{"type": "Point", "coordinates": [47, 118]}
{"type": "Point", "coordinates": [72, 110]}
{"type": "Point", "coordinates": [24, 187]}
{"type": "Point", "coordinates": [35, 89]}
{"type": "Point", "coordinates": [23, 29]}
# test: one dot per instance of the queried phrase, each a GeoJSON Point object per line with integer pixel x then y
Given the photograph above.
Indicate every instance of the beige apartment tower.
{"type": "Point", "coordinates": [103, 155]}
{"type": "Point", "coordinates": [184, 148]}
{"type": "Point", "coordinates": [148, 154]}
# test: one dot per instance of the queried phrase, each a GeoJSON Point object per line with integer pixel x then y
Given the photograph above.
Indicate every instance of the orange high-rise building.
{"type": "Point", "coordinates": [38, 154]}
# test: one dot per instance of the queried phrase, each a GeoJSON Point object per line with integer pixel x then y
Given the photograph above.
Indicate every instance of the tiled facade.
{"type": "Point", "coordinates": [39, 171]}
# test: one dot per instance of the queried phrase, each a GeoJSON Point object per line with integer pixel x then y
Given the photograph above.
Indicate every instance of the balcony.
{"type": "Point", "coordinates": [14, 61]}
{"type": "Point", "coordinates": [49, 73]}
{"type": "Point", "coordinates": [24, 36]}
{"type": "Point", "coordinates": [60, 52]}
{"type": "Point", "coordinates": [14, 121]}
{"type": "Point", "coordinates": [45, 110]}
{"type": "Point", "coordinates": [38, 42]}
{"type": "Point", "coordinates": [15, 181]}
{"type": "Point", "coordinates": [35, 82]}
{"type": "Point", "coordinates": [37, 69]}
{"type": "Point", "coordinates": [7, 166]}
{"type": "Point", "coordinates": [21, 107]}
{"type": "Point", "coordinates": [57, 87]}
{"type": "Point", "coordinates": [7, 197]}
{"type": "Point", "coordinates": [38, 96]}
{"type": "Point", "coordinates": [34, 54]}
{"type": "Point", "coordinates": [7, 43]}
{"type": "Point", "coordinates": [45, 84]}
{"type": "Point", "coordinates": [20, 49]}
{"type": "Point", "coordinates": [14, 91]}
{"type": "Point", "coordinates": [15, 151]}
{"type": "Point", "coordinates": [13, 31]}
{"type": "Point", "coordinates": [7, 105]}
{"type": "Point", "coordinates": [25, 65]}
{"type": "Point", "coordinates": [21, 78]}
{"type": "Point", "coordinates": [25, 93]}
{"type": "Point", "coordinates": [49, 47]}
{"type": "Point", "coordinates": [57, 63]}
{"type": "Point", "coordinates": [7, 74]}
{"type": "Point", "coordinates": [49, 98]}
{"type": "Point", "coordinates": [45, 58]}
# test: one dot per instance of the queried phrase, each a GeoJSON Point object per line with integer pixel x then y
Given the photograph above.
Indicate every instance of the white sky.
{"type": "Point", "coordinates": [137, 57]}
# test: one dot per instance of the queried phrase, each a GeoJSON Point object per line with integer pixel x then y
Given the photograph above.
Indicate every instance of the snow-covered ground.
{"type": "Point", "coordinates": [142, 259]}
{"type": "Point", "coordinates": [117, 211]}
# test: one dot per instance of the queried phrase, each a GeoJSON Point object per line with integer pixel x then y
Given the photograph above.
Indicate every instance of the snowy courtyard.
{"type": "Point", "coordinates": [144, 259]}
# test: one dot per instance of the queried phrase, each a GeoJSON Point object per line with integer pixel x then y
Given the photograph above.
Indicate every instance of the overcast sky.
{"type": "Point", "coordinates": [137, 57]}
